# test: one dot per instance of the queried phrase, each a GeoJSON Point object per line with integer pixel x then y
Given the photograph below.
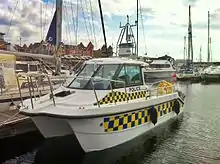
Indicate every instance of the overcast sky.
{"type": "Point", "coordinates": [165, 23]}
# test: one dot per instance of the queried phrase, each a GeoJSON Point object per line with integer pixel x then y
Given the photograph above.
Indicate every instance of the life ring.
{"type": "Point", "coordinates": [165, 88]}
{"type": "Point", "coordinates": [153, 115]}
{"type": "Point", "coordinates": [176, 107]}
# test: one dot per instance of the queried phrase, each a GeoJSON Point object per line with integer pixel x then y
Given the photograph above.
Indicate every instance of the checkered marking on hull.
{"type": "Point", "coordinates": [134, 119]}
{"type": "Point", "coordinates": [126, 121]}
{"type": "Point", "coordinates": [113, 97]}
{"type": "Point", "coordinates": [164, 108]}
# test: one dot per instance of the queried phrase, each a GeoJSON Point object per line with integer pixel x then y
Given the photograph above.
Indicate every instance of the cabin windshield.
{"type": "Point", "coordinates": [100, 76]}
{"type": "Point", "coordinates": [159, 66]}
{"type": "Point", "coordinates": [100, 73]}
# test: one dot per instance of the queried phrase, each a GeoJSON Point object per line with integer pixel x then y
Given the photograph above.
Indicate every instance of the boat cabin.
{"type": "Point", "coordinates": [126, 49]}
{"type": "Point", "coordinates": [160, 64]}
{"type": "Point", "coordinates": [27, 66]}
{"type": "Point", "coordinates": [107, 73]}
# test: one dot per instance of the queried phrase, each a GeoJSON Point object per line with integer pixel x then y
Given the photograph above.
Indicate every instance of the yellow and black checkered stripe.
{"type": "Point", "coordinates": [164, 108]}
{"type": "Point", "coordinates": [126, 121]}
{"type": "Point", "coordinates": [113, 97]}
{"type": "Point", "coordinates": [133, 119]}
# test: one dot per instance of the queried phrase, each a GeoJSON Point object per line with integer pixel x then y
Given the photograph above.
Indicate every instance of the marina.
{"type": "Point", "coordinates": [194, 138]}
{"type": "Point", "coordinates": [65, 103]}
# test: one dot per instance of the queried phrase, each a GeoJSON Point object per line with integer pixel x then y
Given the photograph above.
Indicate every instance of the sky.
{"type": "Point", "coordinates": [162, 25]}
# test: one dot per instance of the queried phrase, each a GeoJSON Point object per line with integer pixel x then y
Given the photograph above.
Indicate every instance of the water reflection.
{"type": "Point", "coordinates": [64, 151]}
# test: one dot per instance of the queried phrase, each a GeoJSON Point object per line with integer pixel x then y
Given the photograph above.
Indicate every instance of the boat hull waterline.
{"type": "Point", "coordinates": [103, 132]}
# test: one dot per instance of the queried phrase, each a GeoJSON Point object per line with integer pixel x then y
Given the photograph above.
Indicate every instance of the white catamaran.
{"type": "Point", "coordinates": [106, 104]}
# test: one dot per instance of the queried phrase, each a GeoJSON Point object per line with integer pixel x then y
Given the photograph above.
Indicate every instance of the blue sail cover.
{"type": "Point", "coordinates": [51, 34]}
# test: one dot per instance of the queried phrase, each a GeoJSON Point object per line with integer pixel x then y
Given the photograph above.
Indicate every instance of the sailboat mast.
{"type": "Point", "coordinates": [210, 50]}
{"type": "Point", "coordinates": [137, 26]}
{"type": "Point", "coordinates": [59, 4]}
{"type": "Point", "coordinates": [208, 47]}
{"type": "Point", "coordinates": [200, 54]}
{"type": "Point", "coordinates": [184, 49]}
{"type": "Point", "coordinates": [190, 44]}
{"type": "Point", "coordinates": [189, 35]}
{"type": "Point", "coordinates": [103, 26]}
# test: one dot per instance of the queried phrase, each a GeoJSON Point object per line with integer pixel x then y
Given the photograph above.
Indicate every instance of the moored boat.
{"type": "Point", "coordinates": [211, 74]}
{"type": "Point", "coordinates": [160, 70]}
{"type": "Point", "coordinates": [106, 104]}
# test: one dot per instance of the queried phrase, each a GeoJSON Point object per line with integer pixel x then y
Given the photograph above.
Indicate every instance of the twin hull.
{"type": "Point", "coordinates": [99, 133]}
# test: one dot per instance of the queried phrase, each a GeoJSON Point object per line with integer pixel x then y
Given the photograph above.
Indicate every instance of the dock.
{"type": "Point", "coordinates": [12, 124]}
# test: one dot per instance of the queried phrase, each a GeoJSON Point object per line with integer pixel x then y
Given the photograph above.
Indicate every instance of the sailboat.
{"type": "Point", "coordinates": [14, 82]}
{"type": "Point", "coordinates": [210, 74]}
{"type": "Point", "coordinates": [155, 71]}
{"type": "Point", "coordinates": [187, 71]}
{"type": "Point", "coordinates": [106, 104]}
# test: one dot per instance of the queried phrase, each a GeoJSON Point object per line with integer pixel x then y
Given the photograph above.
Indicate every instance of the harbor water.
{"type": "Point", "coordinates": [193, 139]}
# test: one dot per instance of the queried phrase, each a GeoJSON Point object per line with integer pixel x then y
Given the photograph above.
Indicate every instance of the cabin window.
{"type": "Point", "coordinates": [105, 74]}
{"type": "Point", "coordinates": [106, 71]}
{"type": "Point", "coordinates": [88, 70]}
{"type": "Point", "coordinates": [83, 78]}
{"type": "Point", "coordinates": [159, 65]}
{"type": "Point", "coordinates": [101, 75]}
{"type": "Point", "coordinates": [131, 75]}
{"type": "Point", "coordinates": [23, 67]}
{"type": "Point", "coordinates": [33, 67]}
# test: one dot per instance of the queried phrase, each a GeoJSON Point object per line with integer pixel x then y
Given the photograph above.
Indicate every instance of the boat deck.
{"type": "Point", "coordinates": [12, 123]}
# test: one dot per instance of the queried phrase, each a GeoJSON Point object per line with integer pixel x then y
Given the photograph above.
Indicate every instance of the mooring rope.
{"type": "Point", "coordinates": [5, 121]}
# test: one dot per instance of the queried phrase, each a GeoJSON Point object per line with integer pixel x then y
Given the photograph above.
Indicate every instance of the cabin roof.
{"type": "Point", "coordinates": [115, 60]}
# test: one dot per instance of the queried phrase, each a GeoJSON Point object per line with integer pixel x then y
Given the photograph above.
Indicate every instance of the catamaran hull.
{"type": "Point", "coordinates": [96, 142]}
{"type": "Point", "coordinates": [95, 134]}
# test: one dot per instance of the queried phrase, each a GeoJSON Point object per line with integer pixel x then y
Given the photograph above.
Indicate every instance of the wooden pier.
{"type": "Point", "coordinates": [12, 124]}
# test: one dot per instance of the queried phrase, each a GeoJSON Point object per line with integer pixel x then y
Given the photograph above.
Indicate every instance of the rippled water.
{"type": "Point", "coordinates": [193, 139]}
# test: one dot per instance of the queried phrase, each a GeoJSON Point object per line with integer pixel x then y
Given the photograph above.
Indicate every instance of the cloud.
{"type": "Point", "coordinates": [165, 24]}
{"type": "Point", "coordinates": [191, 2]}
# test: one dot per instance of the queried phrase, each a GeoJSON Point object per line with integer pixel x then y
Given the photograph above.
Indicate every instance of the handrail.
{"type": "Point", "coordinates": [32, 105]}
{"type": "Point", "coordinates": [95, 93]}
{"type": "Point", "coordinates": [157, 90]}
{"type": "Point", "coordinates": [19, 88]}
{"type": "Point", "coordinates": [29, 77]}
{"type": "Point", "coordinates": [157, 82]}
{"type": "Point", "coordinates": [92, 80]}
{"type": "Point", "coordinates": [100, 78]}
